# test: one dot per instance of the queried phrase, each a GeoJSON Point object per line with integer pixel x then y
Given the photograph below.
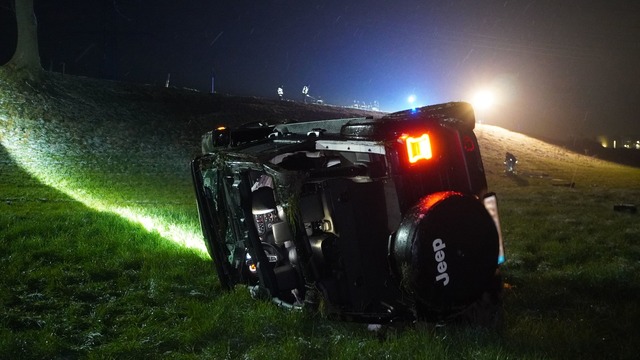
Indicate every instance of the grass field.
{"type": "Point", "coordinates": [101, 254]}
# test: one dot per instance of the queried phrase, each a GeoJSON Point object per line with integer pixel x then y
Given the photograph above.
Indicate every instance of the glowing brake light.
{"type": "Point", "coordinates": [418, 148]}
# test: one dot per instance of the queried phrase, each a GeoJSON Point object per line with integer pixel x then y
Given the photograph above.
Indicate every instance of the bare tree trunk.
{"type": "Point", "coordinates": [26, 59]}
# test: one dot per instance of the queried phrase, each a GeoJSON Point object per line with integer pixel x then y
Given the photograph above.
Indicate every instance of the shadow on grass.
{"type": "Point", "coordinates": [75, 279]}
{"type": "Point", "coordinates": [520, 181]}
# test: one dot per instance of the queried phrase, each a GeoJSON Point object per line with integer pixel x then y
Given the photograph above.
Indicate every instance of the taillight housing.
{"type": "Point", "coordinates": [418, 148]}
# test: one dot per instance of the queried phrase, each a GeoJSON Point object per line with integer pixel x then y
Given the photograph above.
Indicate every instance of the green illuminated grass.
{"type": "Point", "coordinates": [80, 280]}
{"type": "Point", "coordinates": [83, 283]}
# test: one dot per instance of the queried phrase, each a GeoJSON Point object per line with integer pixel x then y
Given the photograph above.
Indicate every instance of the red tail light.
{"type": "Point", "coordinates": [418, 148]}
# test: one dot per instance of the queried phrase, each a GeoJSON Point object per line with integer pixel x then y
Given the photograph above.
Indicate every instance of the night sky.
{"type": "Point", "coordinates": [555, 68]}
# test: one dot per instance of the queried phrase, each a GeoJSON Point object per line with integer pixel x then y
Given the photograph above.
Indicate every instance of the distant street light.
{"type": "Point", "coordinates": [411, 100]}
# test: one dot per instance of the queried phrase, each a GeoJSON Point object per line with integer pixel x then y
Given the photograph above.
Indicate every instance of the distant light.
{"type": "Point", "coordinates": [603, 140]}
{"type": "Point", "coordinates": [411, 99]}
{"type": "Point", "coordinates": [483, 100]}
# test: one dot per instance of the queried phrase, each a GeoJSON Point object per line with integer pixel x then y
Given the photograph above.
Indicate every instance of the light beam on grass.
{"type": "Point", "coordinates": [31, 159]}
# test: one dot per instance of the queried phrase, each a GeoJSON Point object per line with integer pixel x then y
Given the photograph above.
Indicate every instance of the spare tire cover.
{"type": "Point", "coordinates": [445, 251]}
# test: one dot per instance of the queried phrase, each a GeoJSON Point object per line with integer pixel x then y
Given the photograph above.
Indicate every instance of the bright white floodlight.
{"type": "Point", "coordinates": [483, 100]}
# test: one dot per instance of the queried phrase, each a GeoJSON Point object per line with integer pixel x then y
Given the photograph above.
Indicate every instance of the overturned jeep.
{"type": "Point", "coordinates": [370, 220]}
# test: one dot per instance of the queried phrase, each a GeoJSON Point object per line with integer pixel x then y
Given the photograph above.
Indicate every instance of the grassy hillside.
{"type": "Point", "coordinates": [102, 256]}
{"type": "Point", "coordinates": [541, 163]}
{"type": "Point", "coordinates": [124, 147]}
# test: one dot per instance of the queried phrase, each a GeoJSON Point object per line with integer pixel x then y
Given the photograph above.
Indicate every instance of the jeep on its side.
{"type": "Point", "coordinates": [377, 220]}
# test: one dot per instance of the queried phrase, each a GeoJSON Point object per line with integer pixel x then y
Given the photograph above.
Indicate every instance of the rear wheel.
{"type": "Point", "coordinates": [445, 254]}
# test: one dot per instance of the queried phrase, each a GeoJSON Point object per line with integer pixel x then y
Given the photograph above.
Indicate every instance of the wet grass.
{"type": "Point", "coordinates": [84, 281]}
{"type": "Point", "coordinates": [572, 270]}
{"type": "Point", "coordinates": [76, 280]}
